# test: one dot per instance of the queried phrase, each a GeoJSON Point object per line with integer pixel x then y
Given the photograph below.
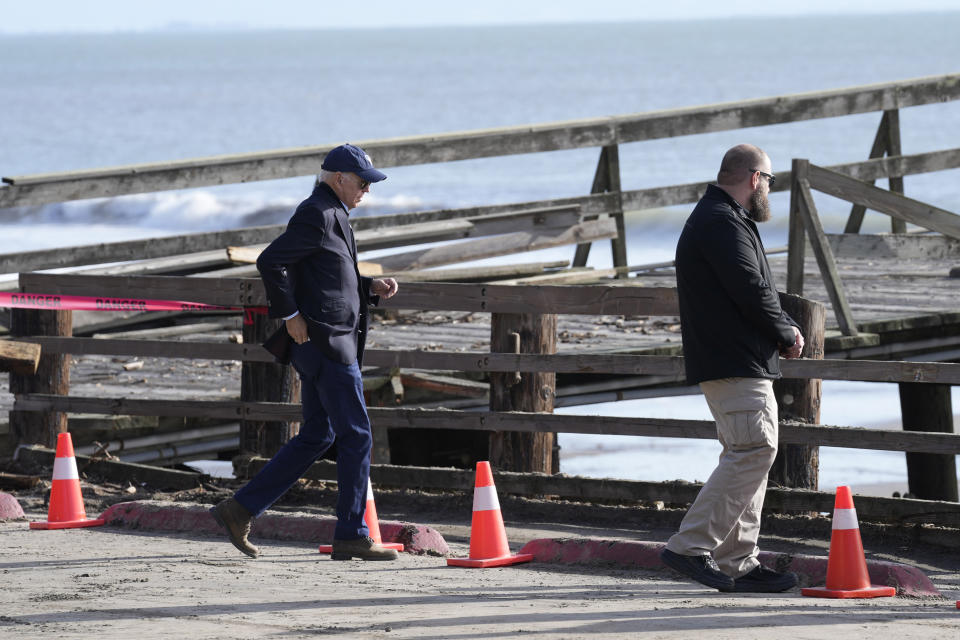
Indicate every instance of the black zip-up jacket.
{"type": "Point", "coordinates": [731, 320]}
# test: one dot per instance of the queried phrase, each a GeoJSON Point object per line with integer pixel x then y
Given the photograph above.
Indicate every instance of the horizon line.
{"type": "Point", "coordinates": [188, 27]}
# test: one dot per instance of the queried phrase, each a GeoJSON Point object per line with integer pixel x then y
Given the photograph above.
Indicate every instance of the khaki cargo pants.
{"type": "Point", "coordinates": [724, 520]}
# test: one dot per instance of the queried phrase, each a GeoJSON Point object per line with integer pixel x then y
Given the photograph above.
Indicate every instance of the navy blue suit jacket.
{"type": "Point", "coordinates": [312, 268]}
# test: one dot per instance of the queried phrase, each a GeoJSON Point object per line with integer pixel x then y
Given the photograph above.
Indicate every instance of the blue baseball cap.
{"type": "Point", "coordinates": [350, 159]}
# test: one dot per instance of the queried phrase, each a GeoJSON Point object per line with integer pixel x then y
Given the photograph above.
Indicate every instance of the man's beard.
{"type": "Point", "coordinates": [759, 207]}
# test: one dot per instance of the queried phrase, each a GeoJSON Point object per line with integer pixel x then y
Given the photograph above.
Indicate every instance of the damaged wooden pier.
{"type": "Point", "coordinates": [516, 340]}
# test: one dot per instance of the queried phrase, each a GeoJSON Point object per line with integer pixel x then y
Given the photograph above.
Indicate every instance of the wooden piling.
{"type": "Point", "coordinates": [927, 407]}
{"type": "Point", "coordinates": [265, 382]}
{"type": "Point", "coordinates": [52, 376]}
{"type": "Point", "coordinates": [798, 399]}
{"type": "Point", "coordinates": [513, 391]}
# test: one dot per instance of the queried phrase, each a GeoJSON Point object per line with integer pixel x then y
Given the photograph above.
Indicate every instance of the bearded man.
{"type": "Point", "coordinates": [734, 332]}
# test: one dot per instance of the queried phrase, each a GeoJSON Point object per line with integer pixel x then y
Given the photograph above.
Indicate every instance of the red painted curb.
{"type": "Point", "coordinates": [10, 509]}
{"type": "Point", "coordinates": [170, 516]}
{"type": "Point", "coordinates": [812, 570]}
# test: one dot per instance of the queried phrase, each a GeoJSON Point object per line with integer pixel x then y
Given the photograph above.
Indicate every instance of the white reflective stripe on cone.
{"type": "Point", "coordinates": [369, 491]}
{"type": "Point", "coordinates": [485, 499]}
{"type": "Point", "coordinates": [845, 519]}
{"type": "Point", "coordinates": [65, 469]}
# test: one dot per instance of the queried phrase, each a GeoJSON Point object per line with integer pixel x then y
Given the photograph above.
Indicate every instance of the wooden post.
{"type": "Point", "coordinates": [389, 394]}
{"type": "Point", "coordinates": [607, 180]}
{"type": "Point", "coordinates": [798, 399]}
{"type": "Point", "coordinates": [893, 149]}
{"type": "Point", "coordinates": [823, 252]}
{"type": "Point", "coordinates": [927, 407]}
{"type": "Point", "coordinates": [887, 141]}
{"type": "Point", "coordinates": [796, 246]}
{"type": "Point", "coordinates": [52, 376]}
{"type": "Point", "coordinates": [265, 382]}
{"type": "Point", "coordinates": [515, 451]}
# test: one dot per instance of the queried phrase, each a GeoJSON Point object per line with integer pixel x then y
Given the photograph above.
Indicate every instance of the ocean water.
{"type": "Point", "coordinates": [72, 102]}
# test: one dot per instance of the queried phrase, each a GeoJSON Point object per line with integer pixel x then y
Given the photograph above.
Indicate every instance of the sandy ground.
{"type": "Point", "coordinates": [110, 583]}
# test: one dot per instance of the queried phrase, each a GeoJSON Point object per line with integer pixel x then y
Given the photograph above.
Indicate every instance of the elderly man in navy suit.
{"type": "Point", "coordinates": [312, 282]}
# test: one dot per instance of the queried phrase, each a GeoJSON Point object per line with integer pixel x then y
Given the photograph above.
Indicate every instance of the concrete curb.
{"type": "Point", "coordinates": [10, 508]}
{"type": "Point", "coordinates": [176, 517]}
{"type": "Point", "coordinates": [812, 570]}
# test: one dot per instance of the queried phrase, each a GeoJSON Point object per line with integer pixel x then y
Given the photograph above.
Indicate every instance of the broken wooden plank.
{"type": "Point", "coordinates": [116, 471]}
{"type": "Point", "coordinates": [134, 249]}
{"type": "Point", "coordinates": [17, 357]}
{"type": "Point", "coordinates": [445, 384]}
{"type": "Point", "coordinates": [18, 480]}
{"type": "Point", "coordinates": [478, 274]}
{"type": "Point", "coordinates": [498, 246]}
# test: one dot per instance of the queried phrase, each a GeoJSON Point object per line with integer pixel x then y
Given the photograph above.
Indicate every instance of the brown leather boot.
{"type": "Point", "coordinates": [363, 548]}
{"type": "Point", "coordinates": [233, 516]}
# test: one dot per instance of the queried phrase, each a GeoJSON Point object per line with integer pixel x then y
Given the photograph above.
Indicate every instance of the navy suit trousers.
{"type": "Point", "coordinates": [333, 407]}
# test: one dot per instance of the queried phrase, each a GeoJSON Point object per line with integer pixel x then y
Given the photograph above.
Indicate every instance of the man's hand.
{"type": "Point", "coordinates": [297, 328]}
{"type": "Point", "coordinates": [384, 287]}
{"type": "Point", "coordinates": [797, 348]}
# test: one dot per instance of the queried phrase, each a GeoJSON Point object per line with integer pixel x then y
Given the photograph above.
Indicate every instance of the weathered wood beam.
{"type": "Point", "coordinates": [444, 384]}
{"type": "Point", "coordinates": [479, 274]}
{"type": "Point", "coordinates": [573, 299]}
{"type": "Point", "coordinates": [892, 204]}
{"type": "Point", "coordinates": [134, 249]}
{"type": "Point", "coordinates": [565, 299]}
{"type": "Point", "coordinates": [117, 471]}
{"type": "Point", "coordinates": [869, 508]}
{"type": "Point", "coordinates": [217, 291]}
{"type": "Point", "coordinates": [894, 149]}
{"type": "Point", "coordinates": [606, 179]}
{"type": "Point", "coordinates": [579, 275]}
{"type": "Point", "coordinates": [597, 132]}
{"type": "Point", "coordinates": [825, 260]}
{"type": "Point", "coordinates": [492, 246]}
{"type": "Point", "coordinates": [822, 435]}
{"type": "Point", "coordinates": [898, 246]}
{"type": "Point", "coordinates": [796, 245]}
{"type": "Point", "coordinates": [627, 365]}
{"type": "Point", "coordinates": [592, 204]}
{"type": "Point", "coordinates": [881, 144]}
{"type": "Point", "coordinates": [19, 357]}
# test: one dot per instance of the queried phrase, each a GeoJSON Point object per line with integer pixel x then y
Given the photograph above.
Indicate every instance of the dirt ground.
{"type": "Point", "coordinates": [109, 583]}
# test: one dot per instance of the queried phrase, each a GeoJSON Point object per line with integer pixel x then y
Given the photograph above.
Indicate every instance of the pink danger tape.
{"type": "Point", "coordinates": [90, 303]}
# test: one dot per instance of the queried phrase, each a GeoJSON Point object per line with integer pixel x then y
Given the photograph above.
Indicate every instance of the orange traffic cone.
{"type": "Point", "coordinates": [488, 538]}
{"type": "Point", "coordinates": [373, 524]}
{"type": "Point", "coordinates": [66, 504]}
{"type": "Point", "coordinates": [847, 567]}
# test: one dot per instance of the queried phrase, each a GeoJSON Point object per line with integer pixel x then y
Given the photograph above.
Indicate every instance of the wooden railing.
{"type": "Point", "coordinates": [577, 134]}
{"type": "Point", "coordinates": [606, 198]}
{"type": "Point", "coordinates": [597, 299]}
{"type": "Point", "coordinates": [805, 223]}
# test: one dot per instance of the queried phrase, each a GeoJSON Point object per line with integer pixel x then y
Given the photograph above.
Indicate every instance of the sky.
{"type": "Point", "coordinates": [44, 16]}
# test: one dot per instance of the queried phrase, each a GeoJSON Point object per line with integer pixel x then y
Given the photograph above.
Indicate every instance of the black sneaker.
{"type": "Point", "coordinates": [703, 569]}
{"type": "Point", "coordinates": [763, 580]}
